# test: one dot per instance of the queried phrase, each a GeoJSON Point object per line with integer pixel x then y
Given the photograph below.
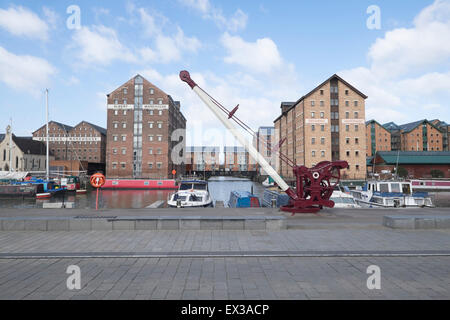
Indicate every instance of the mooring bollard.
{"type": "Point", "coordinates": [274, 203]}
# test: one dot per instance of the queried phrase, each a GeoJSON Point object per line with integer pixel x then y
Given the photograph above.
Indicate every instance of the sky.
{"type": "Point", "coordinates": [252, 53]}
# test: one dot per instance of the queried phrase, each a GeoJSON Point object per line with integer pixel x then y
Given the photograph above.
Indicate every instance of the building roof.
{"type": "Point", "coordinates": [63, 126]}
{"type": "Point", "coordinates": [317, 87]}
{"type": "Point", "coordinates": [412, 125]}
{"type": "Point", "coordinates": [415, 157]}
{"type": "Point", "coordinates": [391, 126]}
{"type": "Point", "coordinates": [100, 129]}
{"type": "Point", "coordinates": [29, 146]}
{"type": "Point", "coordinates": [375, 121]}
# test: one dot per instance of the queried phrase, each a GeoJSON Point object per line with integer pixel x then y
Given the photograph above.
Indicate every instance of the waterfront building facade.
{"type": "Point", "coordinates": [202, 159]}
{"type": "Point", "coordinates": [264, 143]}
{"type": "Point", "coordinates": [22, 153]}
{"type": "Point", "coordinates": [146, 132]}
{"type": "Point", "coordinates": [326, 124]}
{"type": "Point", "coordinates": [378, 138]}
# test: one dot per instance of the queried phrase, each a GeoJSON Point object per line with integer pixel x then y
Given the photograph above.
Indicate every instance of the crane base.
{"type": "Point", "coordinates": [295, 210]}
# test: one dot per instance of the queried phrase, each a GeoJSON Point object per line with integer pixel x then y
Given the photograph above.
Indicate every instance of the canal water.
{"type": "Point", "coordinates": [219, 187]}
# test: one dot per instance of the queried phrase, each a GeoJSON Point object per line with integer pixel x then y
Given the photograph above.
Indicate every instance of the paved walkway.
{"type": "Point", "coordinates": [227, 277]}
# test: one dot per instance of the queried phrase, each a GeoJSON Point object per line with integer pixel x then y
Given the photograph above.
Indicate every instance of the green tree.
{"type": "Point", "coordinates": [402, 172]}
{"type": "Point", "coordinates": [436, 173]}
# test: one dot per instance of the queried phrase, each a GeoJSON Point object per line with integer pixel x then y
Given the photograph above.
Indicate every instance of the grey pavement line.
{"type": "Point", "coordinates": [224, 254]}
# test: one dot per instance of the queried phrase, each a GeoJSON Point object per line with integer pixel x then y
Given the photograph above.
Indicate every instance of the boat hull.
{"type": "Point", "coordinates": [139, 184]}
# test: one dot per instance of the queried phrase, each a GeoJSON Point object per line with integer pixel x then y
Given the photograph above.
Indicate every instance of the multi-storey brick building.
{"type": "Point", "coordinates": [396, 141]}
{"type": "Point", "coordinates": [238, 159]}
{"type": "Point", "coordinates": [378, 138]}
{"type": "Point", "coordinates": [445, 128]}
{"type": "Point", "coordinates": [143, 140]}
{"type": "Point", "coordinates": [85, 142]}
{"type": "Point", "coordinates": [202, 159]}
{"type": "Point", "coordinates": [264, 142]}
{"type": "Point", "coordinates": [326, 124]}
{"type": "Point", "coordinates": [421, 135]}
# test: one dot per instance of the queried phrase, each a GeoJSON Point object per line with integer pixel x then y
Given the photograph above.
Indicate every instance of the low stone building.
{"type": "Point", "coordinates": [24, 153]}
{"type": "Point", "coordinates": [419, 164]}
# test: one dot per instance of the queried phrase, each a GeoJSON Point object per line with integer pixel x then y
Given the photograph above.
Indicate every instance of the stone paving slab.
{"type": "Point", "coordinates": [417, 221]}
{"type": "Point", "coordinates": [227, 278]}
{"type": "Point", "coordinates": [224, 240]}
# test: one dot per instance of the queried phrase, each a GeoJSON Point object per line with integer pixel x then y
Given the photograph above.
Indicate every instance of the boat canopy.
{"type": "Point", "coordinates": [6, 175]}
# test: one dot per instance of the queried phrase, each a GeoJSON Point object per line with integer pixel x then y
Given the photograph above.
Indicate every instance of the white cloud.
{"type": "Point", "coordinates": [167, 48]}
{"type": "Point", "coordinates": [25, 72]}
{"type": "Point", "coordinates": [99, 45]}
{"type": "Point", "coordinates": [237, 21]}
{"type": "Point", "coordinates": [20, 21]}
{"type": "Point", "coordinates": [253, 94]}
{"type": "Point", "coordinates": [259, 56]}
{"type": "Point", "coordinates": [51, 16]}
{"type": "Point", "coordinates": [408, 75]}
{"type": "Point", "coordinates": [404, 50]}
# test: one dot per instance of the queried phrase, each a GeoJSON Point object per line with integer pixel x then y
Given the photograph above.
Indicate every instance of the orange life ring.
{"type": "Point", "coordinates": [97, 180]}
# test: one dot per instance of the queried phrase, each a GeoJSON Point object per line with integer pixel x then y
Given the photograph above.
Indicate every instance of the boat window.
{"type": "Point", "coordinates": [384, 187]}
{"type": "Point", "coordinates": [406, 189]}
{"type": "Point", "coordinates": [196, 198]}
{"type": "Point", "coordinates": [199, 186]}
{"type": "Point", "coordinates": [185, 186]}
{"type": "Point", "coordinates": [395, 187]}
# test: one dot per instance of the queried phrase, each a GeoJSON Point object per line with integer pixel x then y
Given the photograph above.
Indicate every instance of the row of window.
{"type": "Point", "coordinates": [151, 137]}
{"type": "Point", "coordinates": [150, 112]}
{"type": "Point", "coordinates": [334, 102]}
{"type": "Point", "coordinates": [335, 115]}
{"type": "Point", "coordinates": [322, 153]}
{"type": "Point", "coordinates": [151, 91]}
{"type": "Point", "coordinates": [124, 151]}
{"type": "Point", "coordinates": [123, 165]}
{"type": "Point", "coordinates": [150, 101]}
{"type": "Point", "coordinates": [334, 128]}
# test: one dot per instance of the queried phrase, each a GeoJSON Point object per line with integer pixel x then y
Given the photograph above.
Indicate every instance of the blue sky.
{"type": "Point", "coordinates": [255, 53]}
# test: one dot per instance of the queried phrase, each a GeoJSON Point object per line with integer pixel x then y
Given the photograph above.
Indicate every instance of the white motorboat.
{"type": "Point", "coordinates": [390, 194]}
{"type": "Point", "coordinates": [268, 182]}
{"type": "Point", "coordinates": [191, 194]}
{"type": "Point", "coordinates": [343, 199]}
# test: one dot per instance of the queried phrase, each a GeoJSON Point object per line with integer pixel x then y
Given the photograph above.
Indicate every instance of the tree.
{"type": "Point", "coordinates": [435, 173]}
{"type": "Point", "coordinates": [402, 172]}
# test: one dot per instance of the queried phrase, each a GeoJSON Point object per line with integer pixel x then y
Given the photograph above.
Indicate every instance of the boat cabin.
{"type": "Point", "coordinates": [389, 187]}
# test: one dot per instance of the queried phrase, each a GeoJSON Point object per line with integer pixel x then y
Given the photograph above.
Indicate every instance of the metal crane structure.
{"type": "Point", "coordinates": [314, 186]}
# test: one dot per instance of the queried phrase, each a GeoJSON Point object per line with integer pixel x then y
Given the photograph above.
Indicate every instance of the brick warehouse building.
{"type": "Point", "coordinates": [84, 143]}
{"type": "Point", "coordinates": [326, 124]}
{"type": "Point", "coordinates": [141, 120]}
{"type": "Point", "coordinates": [378, 138]}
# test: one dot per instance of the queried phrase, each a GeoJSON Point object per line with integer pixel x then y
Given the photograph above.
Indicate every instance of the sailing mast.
{"type": "Point", "coordinates": [46, 129]}
{"type": "Point", "coordinates": [10, 145]}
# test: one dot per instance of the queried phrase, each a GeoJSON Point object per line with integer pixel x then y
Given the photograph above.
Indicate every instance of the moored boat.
{"type": "Point", "coordinates": [390, 194]}
{"type": "Point", "coordinates": [191, 194]}
{"type": "Point", "coordinates": [430, 184]}
{"type": "Point", "coordinates": [139, 184]}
